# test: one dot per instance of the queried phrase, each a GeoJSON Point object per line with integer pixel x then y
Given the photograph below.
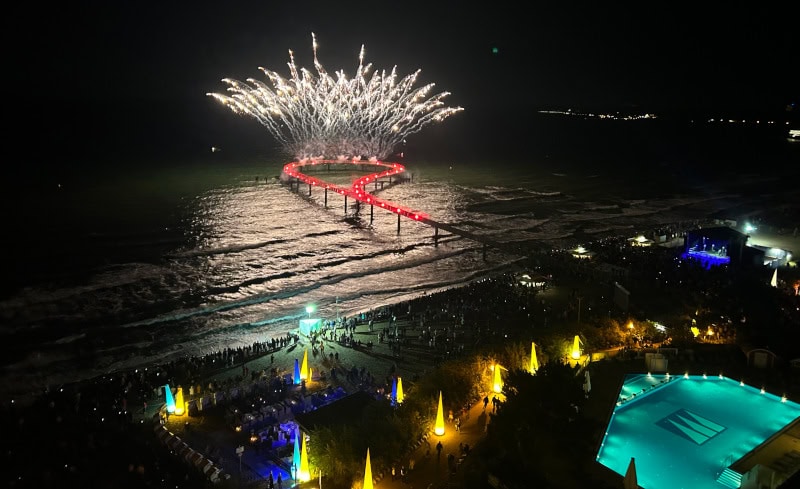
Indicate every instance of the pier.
{"type": "Point", "coordinates": [358, 191]}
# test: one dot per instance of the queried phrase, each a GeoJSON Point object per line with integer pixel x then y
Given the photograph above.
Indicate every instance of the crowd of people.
{"type": "Point", "coordinates": [60, 437]}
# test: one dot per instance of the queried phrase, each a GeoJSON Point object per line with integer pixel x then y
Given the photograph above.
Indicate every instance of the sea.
{"type": "Point", "coordinates": [144, 259]}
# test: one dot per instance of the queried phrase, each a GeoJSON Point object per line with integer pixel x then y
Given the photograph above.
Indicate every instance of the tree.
{"type": "Point", "coordinates": [606, 333]}
{"type": "Point", "coordinates": [536, 424]}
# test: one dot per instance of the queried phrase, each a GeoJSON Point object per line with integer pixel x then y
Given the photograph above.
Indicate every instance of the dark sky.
{"type": "Point", "coordinates": [154, 61]}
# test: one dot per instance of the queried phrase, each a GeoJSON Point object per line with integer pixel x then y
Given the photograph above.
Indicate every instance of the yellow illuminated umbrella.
{"type": "Point", "coordinates": [179, 402]}
{"type": "Point", "coordinates": [368, 474]}
{"type": "Point", "coordinates": [438, 428]}
{"type": "Point", "coordinates": [497, 383]}
{"type": "Point", "coordinates": [576, 348]}
{"type": "Point", "coordinates": [399, 390]}
{"type": "Point", "coordinates": [534, 360]}
{"type": "Point", "coordinates": [304, 366]}
{"type": "Point", "coordinates": [303, 475]}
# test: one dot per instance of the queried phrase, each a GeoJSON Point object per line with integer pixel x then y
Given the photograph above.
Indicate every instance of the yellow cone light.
{"type": "Point", "coordinates": [534, 361]}
{"type": "Point", "coordinates": [368, 474]}
{"type": "Point", "coordinates": [438, 428]}
{"type": "Point", "coordinates": [303, 475]}
{"type": "Point", "coordinates": [576, 348]}
{"type": "Point", "coordinates": [304, 367]}
{"type": "Point", "coordinates": [179, 403]}
{"type": "Point", "coordinates": [497, 382]}
{"type": "Point", "coordinates": [399, 390]}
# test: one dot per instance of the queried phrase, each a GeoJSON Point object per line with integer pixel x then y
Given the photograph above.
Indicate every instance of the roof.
{"type": "Point", "coordinates": [345, 411]}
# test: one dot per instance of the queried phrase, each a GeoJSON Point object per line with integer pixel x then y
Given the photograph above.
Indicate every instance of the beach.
{"type": "Point", "coordinates": [407, 339]}
{"type": "Point", "coordinates": [135, 398]}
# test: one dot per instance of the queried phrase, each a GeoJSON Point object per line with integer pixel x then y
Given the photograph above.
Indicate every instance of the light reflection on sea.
{"type": "Point", "coordinates": [239, 259]}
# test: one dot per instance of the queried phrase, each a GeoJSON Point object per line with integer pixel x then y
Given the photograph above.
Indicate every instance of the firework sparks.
{"type": "Point", "coordinates": [333, 116]}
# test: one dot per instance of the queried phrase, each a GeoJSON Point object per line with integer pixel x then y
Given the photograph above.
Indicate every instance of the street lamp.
{"type": "Point", "coordinates": [309, 310]}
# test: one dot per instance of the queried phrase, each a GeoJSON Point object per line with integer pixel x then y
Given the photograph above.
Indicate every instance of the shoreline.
{"type": "Point", "coordinates": [66, 361]}
{"type": "Point", "coordinates": [27, 395]}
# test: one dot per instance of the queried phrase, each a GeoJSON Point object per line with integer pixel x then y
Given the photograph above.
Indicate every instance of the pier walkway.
{"type": "Point", "coordinates": [293, 174]}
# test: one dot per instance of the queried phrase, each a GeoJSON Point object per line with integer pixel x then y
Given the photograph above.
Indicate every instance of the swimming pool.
{"type": "Point", "coordinates": [684, 430]}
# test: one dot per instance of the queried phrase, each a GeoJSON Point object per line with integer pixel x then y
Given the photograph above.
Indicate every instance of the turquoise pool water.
{"type": "Point", "coordinates": [684, 430]}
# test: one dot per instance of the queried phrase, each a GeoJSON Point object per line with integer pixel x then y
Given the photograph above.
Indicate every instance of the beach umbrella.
{"type": "Point", "coordinates": [180, 405]}
{"type": "Point", "coordinates": [296, 453]}
{"type": "Point", "coordinates": [497, 383]}
{"type": "Point", "coordinates": [368, 474]}
{"type": "Point", "coordinates": [304, 366]}
{"type": "Point", "coordinates": [296, 379]}
{"type": "Point", "coordinates": [438, 428]}
{"type": "Point", "coordinates": [774, 281]}
{"type": "Point", "coordinates": [630, 482]}
{"type": "Point", "coordinates": [394, 391]}
{"type": "Point", "coordinates": [170, 399]}
{"type": "Point", "coordinates": [534, 361]}
{"type": "Point", "coordinates": [303, 475]}
{"type": "Point", "coordinates": [587, 384]}
{"type": "Point", "coordinates": [576, 348]}
{"type": "Point", "coordinates": [400, 395]}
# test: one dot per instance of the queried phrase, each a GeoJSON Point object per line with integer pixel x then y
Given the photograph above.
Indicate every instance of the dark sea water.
{"type": "Point", "coordinates": [133, 260]}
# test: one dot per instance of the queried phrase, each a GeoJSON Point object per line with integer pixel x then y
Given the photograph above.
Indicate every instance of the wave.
{"type": "Point", "coordinates": [235, 248]}
{"type": "Point", "coordinates": [263, 298]}
{"type": "Point", "coordinates": [135, 354]}
{"type": "Point", "coordinates": [224, 249]}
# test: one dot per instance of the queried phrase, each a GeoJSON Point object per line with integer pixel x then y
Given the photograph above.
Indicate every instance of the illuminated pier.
{"type": "Point", "coordinates": [292, 172]}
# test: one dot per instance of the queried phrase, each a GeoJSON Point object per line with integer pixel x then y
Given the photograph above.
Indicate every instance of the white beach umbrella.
{"type": "Point", "coordinates": [587, 384]}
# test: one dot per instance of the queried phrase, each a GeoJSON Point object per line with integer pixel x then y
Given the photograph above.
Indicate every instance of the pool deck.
{"type": "Point", "coordinates": [780, 452]}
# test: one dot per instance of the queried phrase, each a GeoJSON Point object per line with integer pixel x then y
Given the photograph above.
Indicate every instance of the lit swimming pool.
{"type": "Point", "coordinates": [684, 430]}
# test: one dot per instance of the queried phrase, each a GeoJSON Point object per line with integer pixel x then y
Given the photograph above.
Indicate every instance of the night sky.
{"type": "Point", "coordinates": [137, 71]}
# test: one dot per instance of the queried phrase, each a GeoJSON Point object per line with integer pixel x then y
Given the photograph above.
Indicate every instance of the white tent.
{"type": "Point", "coordinates": [630, 482]}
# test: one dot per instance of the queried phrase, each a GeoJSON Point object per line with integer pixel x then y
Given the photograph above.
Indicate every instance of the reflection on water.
{"type": "Point", "coordinates": [237, 256]}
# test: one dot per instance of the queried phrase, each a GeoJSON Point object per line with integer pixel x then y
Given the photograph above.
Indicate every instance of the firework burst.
{"type": "Point", "coordinates": [334, 116]}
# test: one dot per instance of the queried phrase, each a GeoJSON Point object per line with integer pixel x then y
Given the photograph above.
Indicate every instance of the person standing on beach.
{"type": "Point", "coordinates": [439, 448]}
